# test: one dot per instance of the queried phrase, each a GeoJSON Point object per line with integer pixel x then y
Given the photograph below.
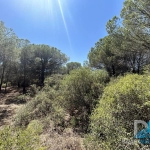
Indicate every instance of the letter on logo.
{"type": "Point", "coordinates": [136, 122]}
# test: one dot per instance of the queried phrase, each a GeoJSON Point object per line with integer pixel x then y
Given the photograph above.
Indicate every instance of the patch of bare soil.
{"type": "Point", "coordinates": [68, 140]}
{"type": "Point", "coordinates": [9, 104]}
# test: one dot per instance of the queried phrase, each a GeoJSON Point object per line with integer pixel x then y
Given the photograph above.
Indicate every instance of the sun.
{"type": "Point", "coordinates": [45, 11]}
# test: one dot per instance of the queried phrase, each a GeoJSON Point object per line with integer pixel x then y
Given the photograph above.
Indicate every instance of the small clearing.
{"type": "Point", "coordinates": [9, 104]}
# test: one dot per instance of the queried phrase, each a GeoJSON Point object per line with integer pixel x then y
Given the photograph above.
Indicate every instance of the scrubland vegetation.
{"type": "Point", "coordinates": [70, 106]}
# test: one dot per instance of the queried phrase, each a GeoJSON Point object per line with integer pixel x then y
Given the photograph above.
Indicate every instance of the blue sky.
{"type": "Point", "coordinates": [73, 26]}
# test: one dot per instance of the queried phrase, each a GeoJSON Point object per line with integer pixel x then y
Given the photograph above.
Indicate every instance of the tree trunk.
{"type": "Point", "coordinates": [0, 87]}
{"type": "Point", "coordinates": [42, 75]}
{"type": "Point", "coordinates": [2, 77]}
{"type": "Point", "coordinates": [133, 71]}
{"type": "Point", "coordinates": [18, 84]}
{"type": "Point", "coordinates": [24, 88]}
{"type": "Point", "coordinates": [113, 70]}
{"type": "Point", "coordinates": [7, 78]}
{"type": "Point", "coordinates": [24, 84]}
{"type": "Point", "coordinates": [138, 69]}
{"type": "Point", "coordinates": [6, 86]}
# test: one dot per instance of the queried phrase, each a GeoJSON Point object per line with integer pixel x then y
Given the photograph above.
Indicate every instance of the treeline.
{"type": "Point", "coordinates": [23, 63]}
{"type": "Point", "coordinates": [126, 48]}
{"type": "Point", "coordinates": [124, 51]}
{"type": "Point", "coordinates": [95, 101]}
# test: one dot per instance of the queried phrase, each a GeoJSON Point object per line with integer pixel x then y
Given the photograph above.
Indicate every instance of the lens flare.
{"type": "Point", "coordinates": [64, 21]}
{"type": "Point", "coordinates": [46, 11]}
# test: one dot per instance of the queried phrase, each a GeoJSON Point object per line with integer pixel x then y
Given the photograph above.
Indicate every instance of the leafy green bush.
{"type": "Point", "coordinates": [80, 91]}
{"type": "Point", "coordinates": [3, 85]}
{"type": "Point", "coordinates": [33, 90]}
{"type": "Point", "coordinates": [123, 101]}
{"type": "Point", "coordinates": [21, 139]}
{"type": "Point", "coordinates": [8, 84]}
{"type": "Point", "coordinates": [146, 69]}
{"type": "Point", "coordinates": [42, 105]}
{"type": "Point", "coordinates": [53, 81]}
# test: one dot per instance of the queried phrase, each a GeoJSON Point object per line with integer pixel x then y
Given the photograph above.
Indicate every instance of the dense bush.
{"type": "Point", "coordinates": [123, 101]}
{"type": "Point", "coordinates": [53, 82]}
{"type": "Point", "coordinates": [21, 139]}
{"type": "Point", "coordinates": [41, 106]}
{"type": "Point", "coordinates": [81, 90]}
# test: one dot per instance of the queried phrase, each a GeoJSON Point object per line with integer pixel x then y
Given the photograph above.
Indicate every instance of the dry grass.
{"type": "Point", "coordinates": [65, 141]}
{"type": "Point", "coordinates": [52, 137]}
{"type": "Point", "coordinates": [9, 105]}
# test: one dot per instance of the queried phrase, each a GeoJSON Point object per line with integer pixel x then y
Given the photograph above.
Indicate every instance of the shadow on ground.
{"type": "Point", "coordinates": [15, 101]}
{"type": "Point", "coordinates": [9, 103]}
{"type": "Point", "coordinates": [5, 112]}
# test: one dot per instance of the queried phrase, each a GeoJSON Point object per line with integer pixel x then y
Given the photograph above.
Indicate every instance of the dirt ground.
{"type": "Point", "coordinates": [9, 104]}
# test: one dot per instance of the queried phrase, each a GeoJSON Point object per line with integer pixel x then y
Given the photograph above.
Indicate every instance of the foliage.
{"type": "Point", "coordinates": [80, 91]}
{"type": "Point", "coordinates": [81, 99]}
{"type": "Point", "coordinates": [53, 82]}
{"type": "Point", "coordinates": [126, 47]}
{"type": "Point", "coordinates": [21, 139]}
{"type": "Point", "coordinates": [23, 63]}
{"type": "Point", "coordinates": [136, 17]}
{"type": "Point", "coordinates": [42, 105]}
{"type": "Point", "coordinates": [48, 60]}
{"type": "Point", "coordinates": [45, 104]}
{"type": "Point", "coordinates": [123, 101]}
{"type": "Point", "coordinates": [105, 55]}
{"type": "Point", "coordinates": [7, 52]}
{"type": "Point", "coordinates": [72, 65]}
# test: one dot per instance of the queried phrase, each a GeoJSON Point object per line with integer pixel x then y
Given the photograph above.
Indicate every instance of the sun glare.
{"type": "Point", "coordinates": [46, 10]}
{"type": "Point", "coordinates": [64, 21]}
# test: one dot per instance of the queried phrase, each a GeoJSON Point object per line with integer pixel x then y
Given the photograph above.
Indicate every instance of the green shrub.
{"type": "Point", "coordinates": [42, 105]}
{"type": "Point", "coordinates": [80, 91]}
{"type": "Point", "coordinates": [53, 81]}
{"type": "Point", "coordinates": [123, 101]}
{"type": "Point", "coordinates": [33, 90]}
{"type": "Point", "coordinates": [3, 85]}
{"type": "Point", "coordinates": [21, 139]}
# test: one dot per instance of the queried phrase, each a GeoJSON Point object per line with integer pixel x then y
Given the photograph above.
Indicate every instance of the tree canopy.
{"type": "Point", "coordinates": [126, 47]}
{"type": "Point", "coordinates": [28, 63]}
